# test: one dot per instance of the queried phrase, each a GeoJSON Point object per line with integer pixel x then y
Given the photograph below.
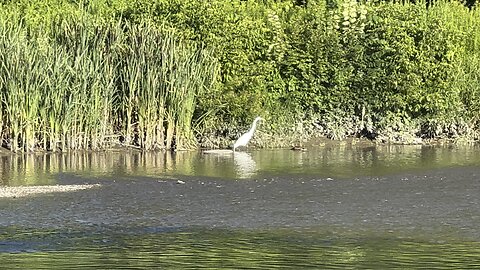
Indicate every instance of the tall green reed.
{"type": "Point", "coordinates": [21, 82]}
{"type": "Point", "coordinates": [86, 86]}
{"type": "Point", "coordinates": [160, 78]}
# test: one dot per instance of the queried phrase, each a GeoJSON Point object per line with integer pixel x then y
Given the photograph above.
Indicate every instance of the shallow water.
{"type": "Point", "coordinates": [341, 206]}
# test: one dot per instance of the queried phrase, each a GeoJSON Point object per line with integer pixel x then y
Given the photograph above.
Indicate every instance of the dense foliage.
{"type": "Point", "coordinates": [384, 70]}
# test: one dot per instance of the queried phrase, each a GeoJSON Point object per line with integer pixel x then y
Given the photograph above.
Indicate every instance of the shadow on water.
{"type": "Point", "coordinates": [343, 206]}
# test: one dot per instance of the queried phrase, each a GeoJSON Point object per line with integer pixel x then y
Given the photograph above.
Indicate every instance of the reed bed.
{"type": "Point", "coordinates": [92, 87]}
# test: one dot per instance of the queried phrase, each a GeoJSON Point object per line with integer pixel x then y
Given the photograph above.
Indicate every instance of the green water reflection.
{"type": "Point", "coordinates": [225, 249]}
{"type": "Point", "coordinates": [338, 161]}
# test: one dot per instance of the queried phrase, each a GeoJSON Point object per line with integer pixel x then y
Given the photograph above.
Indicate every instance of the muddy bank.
{"type": "Point", "coordinates": [263, 140]}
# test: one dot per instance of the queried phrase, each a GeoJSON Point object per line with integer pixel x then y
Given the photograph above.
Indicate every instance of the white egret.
{"type": "Point", "coordinates": [245, 138]}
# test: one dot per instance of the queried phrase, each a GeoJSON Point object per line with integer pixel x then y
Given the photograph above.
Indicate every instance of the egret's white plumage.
{"type": "Point", "coordinates": [245, 138]}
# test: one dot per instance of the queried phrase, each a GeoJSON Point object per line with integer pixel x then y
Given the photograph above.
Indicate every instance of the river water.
{"type": "Point", "coordinates": [334, 206]}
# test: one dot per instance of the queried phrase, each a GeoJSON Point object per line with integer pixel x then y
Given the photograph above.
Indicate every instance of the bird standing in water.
{"type": "Point", "coordinates": [245, 138]}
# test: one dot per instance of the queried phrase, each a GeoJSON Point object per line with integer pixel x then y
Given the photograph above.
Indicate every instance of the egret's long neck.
{"type": "Point", "coordinates": [254, 126]}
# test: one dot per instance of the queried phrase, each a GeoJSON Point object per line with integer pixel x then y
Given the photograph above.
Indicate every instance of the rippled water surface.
{"type": "Point", "coordinates": [340, 206]}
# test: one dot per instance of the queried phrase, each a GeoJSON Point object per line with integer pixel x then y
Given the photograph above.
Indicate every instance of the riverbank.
{"type": "Point", "coordinates": [264, 140]}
